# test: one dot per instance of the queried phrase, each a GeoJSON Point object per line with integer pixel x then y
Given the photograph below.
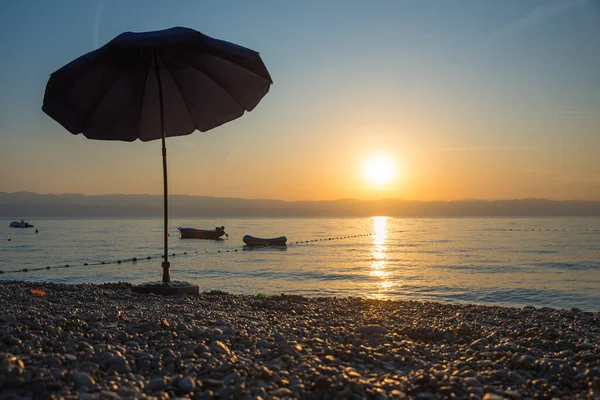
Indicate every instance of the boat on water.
{"type": "Point", "coordinates": [21, 224]}
{"type": "Point", "coordinates": [256, 241]}
{"type": "Point", "coordinates": [247, 247]}
{"type": "Point", "coordinates": [191, 233]}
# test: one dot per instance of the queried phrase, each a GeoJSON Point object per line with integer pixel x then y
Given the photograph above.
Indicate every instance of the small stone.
{"type": "Point", "coordinates": [515, 377]}
{"type": "Point", "coordinates": [566, 354]}
{"type": "Point", "coordinates": [220, 348]}
{"type": "Point", "coordinates": [264, 344]}
{"type": "Point", "coordinates": [492, 396]}
{"type": "Point", "coordinates": [232, 379]}
{"type": "Point", "coordinates": [129, 392]}
{"type": "Point", "coordinates": [592, 372]}
{"type": "Point", "coordinates": [155, 385]}
{"type": "Point", "coordinates": [584, 346]}
{"type": "Point", "coordinates": [425, 396]}
{"type": "Point", "coordinates": [473, 382]}
{"type": "Point", "coordinates": [368, 330]}
{"type": "Point", "coordinates": [212, 383]}
{"type": "Point", "coordinates": [81, 379]}
{"type": "Point", "coordinates": [12, 341]}
{"type": "Point", "coordinates": [589, 356]}
{"type": "Point", "coordinates": [282, 392]}
{"type": "Point", "coordinates": [118, 364]}
{"type": "Point", "coordinates": [187, 384]}
{"type": "Point", "coordinates": [109, 395]}
{"type": "Point", "coordinates": [322, 382]}
{"type": "Point", "coordinates": [8, 318]}
{"type": "Point", "coordinates": [397, 394]}
{"type": "Point", "coordinates": [480, 344]}
{"type": "Point", "coordinates": [199, 349]}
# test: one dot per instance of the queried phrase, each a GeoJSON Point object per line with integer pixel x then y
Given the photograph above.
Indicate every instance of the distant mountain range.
{"type": "Point", "coordinates": [26, 204]}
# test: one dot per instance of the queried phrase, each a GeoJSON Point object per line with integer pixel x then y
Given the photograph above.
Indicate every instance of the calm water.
{"type": "Point", "coordinates": [476, 260]}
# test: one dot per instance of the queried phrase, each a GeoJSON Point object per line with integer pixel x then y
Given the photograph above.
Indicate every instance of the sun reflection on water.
{"type": "Point", "coordinates": [379, 262]}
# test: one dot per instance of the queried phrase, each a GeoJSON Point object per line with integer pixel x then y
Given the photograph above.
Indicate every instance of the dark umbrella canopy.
{"type": "Point", "coordinates": [112, 93]}
{"type": "Point", "coordinates": [153, 85]}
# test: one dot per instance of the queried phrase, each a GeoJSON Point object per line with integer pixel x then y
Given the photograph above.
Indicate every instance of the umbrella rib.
{"type": "Point", "coordinates": [142, 101]}
{"type": "Point", "coordinates": [216, 82]}
{"type": "Point", "coordinates": [106, 92]}
{"type": "Point", "coordinates": [182, 96]}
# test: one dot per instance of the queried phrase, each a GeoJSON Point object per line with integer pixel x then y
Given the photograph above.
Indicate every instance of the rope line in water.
{"type": "Point", "coordinates": [326, 239]}
{"type": "Point", "coordinates": [136, 259]}
{"type": "Point", "coordinates": [551, 230]}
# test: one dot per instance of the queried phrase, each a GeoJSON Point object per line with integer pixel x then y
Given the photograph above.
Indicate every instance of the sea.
{"type": "Point", "coordinates": [540, 262]}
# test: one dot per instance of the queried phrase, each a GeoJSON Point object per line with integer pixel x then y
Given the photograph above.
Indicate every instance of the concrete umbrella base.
{"type": "Point", "coordinates": [167, 288]}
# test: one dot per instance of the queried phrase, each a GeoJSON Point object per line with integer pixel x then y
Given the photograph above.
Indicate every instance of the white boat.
{"type": "Point", "coordinates": [21, 224]}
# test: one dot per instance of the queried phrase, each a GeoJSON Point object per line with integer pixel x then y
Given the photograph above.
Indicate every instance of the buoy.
{"type": "Point", "coordinates": [9, 239]}
{"type": "Point", "coordinates": [48, 267]}
{"type": "Point", "coordinates": [134, 259]}
{"type": "Point", "coordinates": [36, 231]}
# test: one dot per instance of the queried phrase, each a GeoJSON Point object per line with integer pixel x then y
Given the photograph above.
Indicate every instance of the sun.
{"type": "Point", "coordinates": [379, 169]}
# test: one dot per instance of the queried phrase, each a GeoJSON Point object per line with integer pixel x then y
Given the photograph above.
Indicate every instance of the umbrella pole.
{"type": "Point", "coordinates": [165, 264]}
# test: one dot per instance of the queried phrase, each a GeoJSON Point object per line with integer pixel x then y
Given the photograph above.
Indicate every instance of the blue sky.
{"type": "Point", "coordinates": [484, 99]}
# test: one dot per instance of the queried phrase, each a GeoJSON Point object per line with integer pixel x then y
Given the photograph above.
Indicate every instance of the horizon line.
{"type": "Point", "coordinates": [297, 201]}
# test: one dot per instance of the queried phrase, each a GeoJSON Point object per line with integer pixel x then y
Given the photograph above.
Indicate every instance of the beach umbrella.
{"type": "Point", "coordinates": [152, 85]}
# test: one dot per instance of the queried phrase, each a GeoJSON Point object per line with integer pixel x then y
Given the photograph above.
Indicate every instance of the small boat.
{"type": "Point", "coordinates": [247, 247]}
{"type": "Point", "coordinates": [256, 241]}
{"type": "Point", "coordinates": [191, 233]}
{"type": "Point", "coordinates": [22, 224]}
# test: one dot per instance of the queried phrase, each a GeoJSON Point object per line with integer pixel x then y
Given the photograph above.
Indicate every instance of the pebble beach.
{"type": "Point", "coordinates": [103, 341]}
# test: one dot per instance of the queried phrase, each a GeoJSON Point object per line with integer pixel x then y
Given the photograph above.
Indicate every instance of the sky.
{"type": "Point", "coordinates": [456, 99]}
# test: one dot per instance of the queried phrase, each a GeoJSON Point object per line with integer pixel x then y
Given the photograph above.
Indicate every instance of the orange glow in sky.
{"type": "Point", "coordinates": [380, 169]}
{"type": "Point", "coordinates": [404, 100]}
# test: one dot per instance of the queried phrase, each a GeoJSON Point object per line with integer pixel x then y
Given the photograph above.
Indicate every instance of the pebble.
{"type": "Point", "coordinates": [220, 348]}
{"type": "Point", "coordinates": [105, 342]}
{"type": "Point", "coordinates": [187, 384]}
{"type": "Point", "coordinates": [480, 344]}
{"type": "Point", "coordinates": [368, 330]}
{"type": "Point", "coordinates": [155, 385]}
{"type": "Point", "coordinates": [82, 379]}
{"type": "Point", "coordinates": [492, 396]}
